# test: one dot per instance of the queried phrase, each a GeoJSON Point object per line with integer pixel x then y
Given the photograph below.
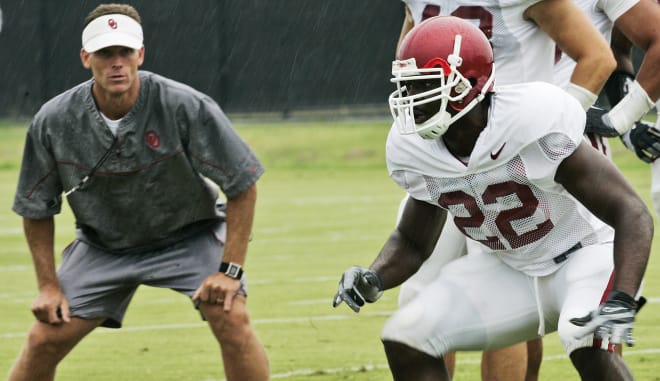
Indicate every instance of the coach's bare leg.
{"type": "Point", "coordinates": [46, 346]}
{"type": "Point", "coordinates": [243, 355]}
{"type": "Point", "coordinates": [408, 364]}
{"type": "Point", "coordinates": [534, 359]}
{"type": "Point", "coordinates": [598, 365]}
{"type": "Point", "coordinates": [505, 364]}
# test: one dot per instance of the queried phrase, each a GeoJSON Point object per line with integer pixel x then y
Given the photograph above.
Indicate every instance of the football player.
{"type": "Point", "coordinates": [633, 21]}
{"type": "Point", "coordinates": [521, 181]}
{"type": "Point", "coordinates": [523, 35]}
{"type": "Point", "coordinates": [629, 22]}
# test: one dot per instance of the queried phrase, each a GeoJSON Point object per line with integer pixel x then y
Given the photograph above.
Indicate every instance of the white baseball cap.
{"type": "Point", "coordinates": [112, 30]}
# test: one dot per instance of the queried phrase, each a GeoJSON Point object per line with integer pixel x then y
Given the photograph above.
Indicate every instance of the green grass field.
{"type": "Point", "coordinates": [325, 203]}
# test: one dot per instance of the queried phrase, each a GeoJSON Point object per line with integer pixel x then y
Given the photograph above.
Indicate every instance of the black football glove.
{"type": "Point", "coordinates": [356, 286]}
{"type": "Point", "coordinates": [644, 140]}
{"type": "Point", "coordinates": [613, 319]}
{"type": "Point", "coordinates": [598, 123]}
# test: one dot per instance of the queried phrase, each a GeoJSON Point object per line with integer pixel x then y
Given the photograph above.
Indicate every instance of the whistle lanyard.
{"type": "Point", "coordinates": [98, 164]}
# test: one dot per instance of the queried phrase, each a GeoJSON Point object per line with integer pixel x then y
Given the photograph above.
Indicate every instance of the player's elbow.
{"type": "Point", "coordinates": [637, 214]}
{"type": "Point", "coordinates": [597, 65]}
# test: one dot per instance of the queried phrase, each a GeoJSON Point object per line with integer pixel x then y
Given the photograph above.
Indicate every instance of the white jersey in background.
{"type": "Point", "coordinates": [522, 51]}
{"type": "Point", "coordinates": [504, 196]}
{"type": "Point", "coordinates": [603, 14]}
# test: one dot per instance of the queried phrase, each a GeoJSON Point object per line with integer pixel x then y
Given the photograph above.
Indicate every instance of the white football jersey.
{"type": "Point", "coordinates": [505, 197]}
{"type": "Point", "coordinates": [523, 52]}
{"type": "Point", "coordinates": [603, 14]}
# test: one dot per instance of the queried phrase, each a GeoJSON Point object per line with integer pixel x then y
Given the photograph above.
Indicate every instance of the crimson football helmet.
{"type": "Point", "coordinates": [451, 51]}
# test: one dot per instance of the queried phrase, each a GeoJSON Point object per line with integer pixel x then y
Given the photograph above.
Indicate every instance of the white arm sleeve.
{"type": "Point", "coordinates": [584, 96]}
{"type": "Point", "coordinates": [630, 109]}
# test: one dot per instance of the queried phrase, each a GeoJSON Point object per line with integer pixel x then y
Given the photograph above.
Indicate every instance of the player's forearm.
{"type": "Point", "coordinates": [398, 260]}
{"type": "Point", "coordinates": [40, 238]}
{"type": "Point", "coordinates": [622, 50]}
{"type": "Point", "coordinates": [408, 24]}
{"type": "Point", "coordinates": [240, 217]}
{"type": "Point", "coordinates": [647, 75]}
{"type": "Point", "coordinates": [639, 26]}
{"type": "Point", "coordinates": [632, 246]}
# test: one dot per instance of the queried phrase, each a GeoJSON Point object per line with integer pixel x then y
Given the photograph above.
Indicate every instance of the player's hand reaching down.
{"type": "Point", "coordinates": [356, 286]}
{"type": "Point", "coordinates": [612, 320]}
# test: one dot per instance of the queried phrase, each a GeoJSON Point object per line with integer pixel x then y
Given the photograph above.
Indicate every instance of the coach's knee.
{"type": "Point", "coordinates": [45, 346]}
{"type": "Point", "coordinates": [231, 328]}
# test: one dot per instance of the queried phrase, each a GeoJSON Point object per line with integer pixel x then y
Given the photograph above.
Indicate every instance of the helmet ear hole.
{"type": "Point", "coordinates": [461, 86]}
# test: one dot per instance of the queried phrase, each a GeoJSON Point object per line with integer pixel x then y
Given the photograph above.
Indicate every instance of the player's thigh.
{"type": "Point", "coordinates": [476, 303]}
{"type": "Point", "coordinates": [580, 286]}
{"type": "Point", "coordinates": [451, 245]}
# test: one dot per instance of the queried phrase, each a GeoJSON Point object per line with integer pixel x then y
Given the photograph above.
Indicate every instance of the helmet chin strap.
{"type": "Point", "coordinates": [436, 126]}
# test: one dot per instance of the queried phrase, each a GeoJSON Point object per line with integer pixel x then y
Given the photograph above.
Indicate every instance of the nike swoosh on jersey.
{"type": "Point", "coordinates": [496, 154]}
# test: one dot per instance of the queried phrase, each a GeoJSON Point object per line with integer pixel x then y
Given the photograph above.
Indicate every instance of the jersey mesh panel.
{"type": "Point", "coordinates": [505, 211]}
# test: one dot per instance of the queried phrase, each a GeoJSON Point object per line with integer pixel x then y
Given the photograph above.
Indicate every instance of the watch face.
{"type": "Point", "coordinates": [233, 270]}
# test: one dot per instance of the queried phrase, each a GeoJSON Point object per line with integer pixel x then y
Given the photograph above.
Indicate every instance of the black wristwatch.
{"type": "Point", "coordinates": [231, 269]}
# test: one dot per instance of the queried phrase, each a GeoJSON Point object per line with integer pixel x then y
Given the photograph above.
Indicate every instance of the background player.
{"type": "Point", "coordinates": [635, 21]}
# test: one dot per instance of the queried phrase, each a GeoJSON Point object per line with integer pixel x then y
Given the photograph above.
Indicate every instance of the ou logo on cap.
{"type": "Point", "coordinates": [112, 23]}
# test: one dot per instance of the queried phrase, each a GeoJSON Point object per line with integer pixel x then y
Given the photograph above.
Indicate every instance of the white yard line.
{"type": "Point", "coordinates": [159, 327]}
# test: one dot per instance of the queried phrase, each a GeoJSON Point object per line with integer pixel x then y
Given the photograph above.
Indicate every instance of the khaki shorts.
{"type": "Point", "coordinates": [99, 284]}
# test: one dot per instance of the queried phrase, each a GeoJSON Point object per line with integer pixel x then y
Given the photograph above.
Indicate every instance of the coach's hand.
{"type": "Point", "coordinates": [51, 306]}
{"type": "Point", "coordinates": [644, 140]}
{"type": "Point", "coordinates": [356, 286]}
{"type": "Point", "coordinates": [598, 123]}
{"type": "Point", "coordinates": [217, 289]}
{"type": "Point", "coordinates": [613, 319]}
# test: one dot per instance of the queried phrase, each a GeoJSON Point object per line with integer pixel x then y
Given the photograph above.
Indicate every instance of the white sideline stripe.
{"type": "Point", "coordinates": [15, 268]}
{"type": "Point", "coordinates": [370, 368]}
{"type": "Point", "coordinates": [296, 280]}
{"type": "Point", "coordinates": [11, 230]}
{"type": "Point", "coordinates": [203, 325]}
